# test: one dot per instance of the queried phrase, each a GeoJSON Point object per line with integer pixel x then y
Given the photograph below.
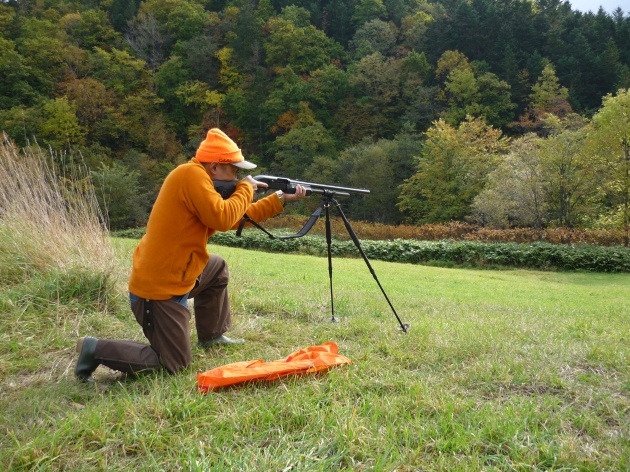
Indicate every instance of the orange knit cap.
{"type": "Point", "coordinates": [218, 147]}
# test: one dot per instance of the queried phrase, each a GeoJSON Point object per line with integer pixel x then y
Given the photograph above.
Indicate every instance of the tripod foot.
{"type": "Point", "coordinates": [404, 327]}
{"type": "Point", "coordinates": [335, 320]}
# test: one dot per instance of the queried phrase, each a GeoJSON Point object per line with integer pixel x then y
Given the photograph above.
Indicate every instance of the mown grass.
{"type": "Point", "coordinates": [508, 370]}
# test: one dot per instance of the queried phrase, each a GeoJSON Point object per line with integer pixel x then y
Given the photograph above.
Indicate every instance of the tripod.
{"type": "Point", "coordinates": [328, 198]}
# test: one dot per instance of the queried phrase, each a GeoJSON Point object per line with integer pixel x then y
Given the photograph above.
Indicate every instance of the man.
{"type": "Point", "coordinates": [171, 263]}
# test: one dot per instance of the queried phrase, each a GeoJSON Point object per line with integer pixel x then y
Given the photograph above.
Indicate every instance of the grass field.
{"type": "Point", "coordinates": [500, 370]}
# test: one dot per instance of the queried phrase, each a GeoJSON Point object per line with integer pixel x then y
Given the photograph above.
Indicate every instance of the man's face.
{"type": "Point", "coordinates": [224, 172]}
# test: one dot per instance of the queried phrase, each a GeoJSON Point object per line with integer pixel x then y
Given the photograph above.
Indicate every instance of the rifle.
{"type": "Point", "coordinates": [226, 187]}
{"type": "Point", "coordinates": [289, 185]}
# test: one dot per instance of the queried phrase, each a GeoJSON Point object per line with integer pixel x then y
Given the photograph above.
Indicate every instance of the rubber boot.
{"type": "Point", "coordinates": [86, 363]}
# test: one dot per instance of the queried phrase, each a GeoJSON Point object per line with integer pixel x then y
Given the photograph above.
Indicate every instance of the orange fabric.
{"type": "Point", "coordinates": [308, 360]}
{"type": "Point", "coordinates": [218, 147]}
{"type": "Point", "coordinates": [188, 210]}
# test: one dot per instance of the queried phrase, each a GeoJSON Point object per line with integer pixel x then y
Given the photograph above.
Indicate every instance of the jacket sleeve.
{"type": "Point", "coordinates": [211, 209]}
{"type": "Point", "coordinates": [263, 209]}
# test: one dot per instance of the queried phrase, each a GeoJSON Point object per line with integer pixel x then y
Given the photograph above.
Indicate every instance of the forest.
{"type": "Point", "coordinates": [501, 113]}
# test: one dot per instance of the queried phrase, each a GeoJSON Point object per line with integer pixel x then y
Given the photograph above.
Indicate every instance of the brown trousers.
{"type": "Point", "coordinates": [166, 324]}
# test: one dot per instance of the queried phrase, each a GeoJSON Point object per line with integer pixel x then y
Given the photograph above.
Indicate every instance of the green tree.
{"type": "Point", "coordinates": [177, 19]}
{"type": "Point", "coordinates": [570, 175]}
{"type": "Point", "coordinates": [467, 93]}
{"type": "Point", "coordinates": [303, 49]}
{"type": "Point", "coordinates": [548, 97]}
{"type": "Point", "coordinates": [60, 127]}
{"type": "Point", "coordinates": [547, 93]}
{"type": "Point", "coordinates": [43, 45]}
{"type": "Point", "coordinates": [611, 143]}
{"type": "Point", "coordinates": [329, 88]}
{"type": "Point", "coordinates": [91, 28]}
{"type": "Point", "coordinates": [118, 194]}
{"type": "Point", "coordinates": [452, 171]}
{"type": "Point", "coordinates": [296, 150]}
{"type": "Point", "coordinates": [368, 10]}
{"type": "Point", "coordinates": [338, 23]}
{"type": "Point", "coordinates": [299, 16]}
{"type": "Point", "coordinates": [375, 109]}
{"type": "Point", "coordinates": [414, 29]}
{"type": "Point", "coordinates": [15, 78]}
{"type": "Point", "coordinates": [374, 36]}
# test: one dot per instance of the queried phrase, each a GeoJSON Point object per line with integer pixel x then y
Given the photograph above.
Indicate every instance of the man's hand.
{"type": "Point", "coordinates": [254, 183]}
{"type": "Point", "coordinates": [300, 192]}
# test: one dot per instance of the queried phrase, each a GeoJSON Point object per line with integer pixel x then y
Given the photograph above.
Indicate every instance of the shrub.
{"type": "Point", "coordinates": [539, 255]}
{"type": "Point", "coordinates": [454, 230]}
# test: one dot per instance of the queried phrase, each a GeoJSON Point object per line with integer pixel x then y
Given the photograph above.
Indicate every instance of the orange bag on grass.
{"type": "Point", "coordinates": [307, 360]}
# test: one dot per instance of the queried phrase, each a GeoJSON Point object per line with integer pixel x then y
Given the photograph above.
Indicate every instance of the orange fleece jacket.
{"type": "Point", "coordinates": [188, 210]}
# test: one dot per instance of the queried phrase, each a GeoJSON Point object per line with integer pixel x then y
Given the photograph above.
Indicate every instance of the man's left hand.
{"type": "Point", "coordinates": [300, 192]}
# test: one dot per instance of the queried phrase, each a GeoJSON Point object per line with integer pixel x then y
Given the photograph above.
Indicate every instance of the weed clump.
{"type": "Point", "coordinates": [51, 227]}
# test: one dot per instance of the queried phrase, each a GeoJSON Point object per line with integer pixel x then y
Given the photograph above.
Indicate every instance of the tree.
{"type": "Point", "coordinates": [375, 110]}
{"type": "Point", "coordinates": [544, 181]}
{"type": "Point", "coordinates": [547, 93]}
{"type": "Point", "coordinates": [414, 28]}
{"type": "Point", "coordinates": [611, 143]}
{"type": "Point", "coordinates": [515, 191]}
{"type": "Point", "coordinates": [452, 171]}
{"type": "Point", "coordinates": [374, 36]}
{"type": "Point", "coordinates": [378, 166]}
{"type": "Point", "coordinates": [304, 49]}
{"type": "Point", "coordinates": [145, 38]}
{"type": "Point", "coordinates": [466, 92]}
{"type": "Point", "coordinates": [307, 138]}
{"type": "Point", "coordinates": [337, 20]}
{"type": "Point", "coordinates": [15, 78]}
{"type": "Point", "coordinates": [288, 96]}
{"type": "Point", "coordinates": [329, 87]}
{"type": "Point", "coordinates": [90, 100]}
{"type": "Point", "coordinates": [90, 28]}
{"type": "Point", "coordinates": [43, 45]}
{"type": "Point", "coordinates": [60, 127]}
{"type": "Point", "coordinates": [569, 172]}
{"type": "Point", "coordinates": [368, 10]}
{"type": "Point", "coordinates": [118, 194]}
{"type": "Point", "coordinates": [547, 97]}
{"type": "Point", "coordinates": [178, 19]}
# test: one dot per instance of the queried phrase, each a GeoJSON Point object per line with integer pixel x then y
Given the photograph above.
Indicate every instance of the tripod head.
{"type": "Point", "coordinates": [288, 186]}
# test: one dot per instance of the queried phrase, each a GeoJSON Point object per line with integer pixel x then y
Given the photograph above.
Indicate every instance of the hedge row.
{"type": "Point", "coordinates": [455, 230]}
{"type": "Point", "coordinates": [541, 256]}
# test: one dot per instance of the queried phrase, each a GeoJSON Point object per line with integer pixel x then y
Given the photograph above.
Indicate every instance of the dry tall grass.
{"type": "Point", "coordinates": [49, 216]}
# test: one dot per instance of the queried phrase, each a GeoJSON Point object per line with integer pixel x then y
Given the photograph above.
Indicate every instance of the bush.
{"type": "Point", "coordinates": [539, 255]}
{"type": "Point", "coordinates": [455, 230]}
{"type": "Point", "coordinates": [462, 251]}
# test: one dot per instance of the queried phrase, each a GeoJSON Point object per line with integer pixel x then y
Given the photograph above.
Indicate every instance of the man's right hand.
{"type": "Point", "coordinates": [254, 183]}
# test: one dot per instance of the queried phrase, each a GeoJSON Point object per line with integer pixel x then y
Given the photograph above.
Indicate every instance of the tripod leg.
{"type": "Point", "coordinates": [328, 245]}
{"type": "Point", "coordinates": [357, 243]}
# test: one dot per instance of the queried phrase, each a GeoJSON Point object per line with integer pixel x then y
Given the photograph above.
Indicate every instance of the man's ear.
{"type": "Point", "coordinates": [211, 168]}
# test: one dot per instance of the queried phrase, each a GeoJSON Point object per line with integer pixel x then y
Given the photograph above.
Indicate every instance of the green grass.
{"type": "Point", "coordinates": [501, 370]}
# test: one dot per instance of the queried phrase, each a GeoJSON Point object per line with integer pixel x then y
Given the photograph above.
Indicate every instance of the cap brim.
{"type": "Point", "coordinates": [244, 165]}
